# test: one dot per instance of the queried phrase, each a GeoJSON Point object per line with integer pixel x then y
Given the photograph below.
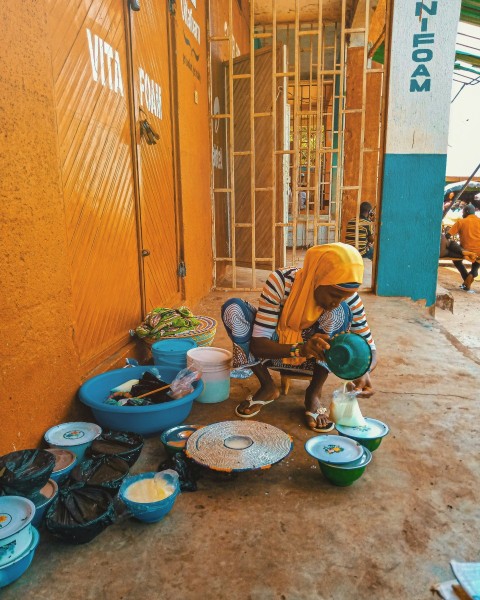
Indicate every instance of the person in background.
{"type": "Point", "coordinates": [365, 231]}
{"type": "Point", "coordinates": [469, 230]}
{"type": "Point", "coordinates": [299, 311]}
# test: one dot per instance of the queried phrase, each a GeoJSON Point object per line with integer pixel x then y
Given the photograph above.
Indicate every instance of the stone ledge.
{"type": "Point", "coordinates": [444, 299]}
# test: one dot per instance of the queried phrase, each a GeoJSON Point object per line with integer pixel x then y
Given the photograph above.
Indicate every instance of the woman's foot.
{"type": "Point", "coordinates": [253, 403]}
{"type": "Point", "coordinates": [316, 414]}
{"type": "Point", "coordinates": [318, 420]}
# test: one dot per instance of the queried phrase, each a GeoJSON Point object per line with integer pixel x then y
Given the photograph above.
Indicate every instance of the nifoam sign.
{"type": "Point", "coordinates": [421, 70]}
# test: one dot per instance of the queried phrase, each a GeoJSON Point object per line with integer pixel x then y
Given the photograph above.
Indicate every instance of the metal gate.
{"type": "Point", "coordinates": [307, 153]}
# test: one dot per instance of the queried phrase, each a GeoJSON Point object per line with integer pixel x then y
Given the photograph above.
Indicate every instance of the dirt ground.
{"type": "Point", "coordinates": [463, 323]}
{"type": "Point", "coordinates": [288, 534]}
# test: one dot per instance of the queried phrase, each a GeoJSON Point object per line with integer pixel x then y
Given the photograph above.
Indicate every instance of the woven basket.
{"type": "Point", "coordinates": [203, 333]}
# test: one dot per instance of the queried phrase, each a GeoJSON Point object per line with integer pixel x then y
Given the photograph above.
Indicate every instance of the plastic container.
{"type": "Point", "coordinates": [149, 512]}
{"type": "Point", "coordinates": [145, 420]}
{"type": "Point", "coordinates": [172, 353]}
{"type": "Point", "coordinates": [341, 473]}
{"type": "Point", "coordinates": [76, 437]}
{"type": "Point", "coordinates": [65, 461]}
{"type": "Point", "coordinates": [24, 472]}
{"type": "Point", "coordinates": [42, 501]}
{"type": "Point", "coordinates": [370, 436]}
{"type": "Point", "coordinates": [124, 444]}
{"type": "Point", "coordinates": [80, 513]}
{"type": "Point", "coordinates": [175, 439]}
{"type": "Point", "coordinates": [17, 567]}
{"type": "Point", "coordinates": [349, 356]}
{"type": "Point", "coordinates": [105, 472]}
{"type": "Point", "coordinates": [16, 516]}
{"type": "Point", "coordinates": [215, 364]}
{"type": "Point", "coordinates": [345, 475]}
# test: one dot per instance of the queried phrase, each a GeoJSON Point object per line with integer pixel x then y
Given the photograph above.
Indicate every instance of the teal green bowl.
{"type": "Point", "coordinates": [349, 356]}
{"type": "Point", "coordinates": [346, 474]}
{"type": "Point", "coordinates": [175, 439]}
{"type": "Point", "coordinates": [370, 436]}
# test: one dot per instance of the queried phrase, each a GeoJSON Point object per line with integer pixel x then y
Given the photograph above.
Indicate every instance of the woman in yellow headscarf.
{"type": "Point", "coordinates": [298, 312]}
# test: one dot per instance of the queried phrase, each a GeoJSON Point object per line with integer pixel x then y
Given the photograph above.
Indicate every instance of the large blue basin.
{"type": "Point", "coordinates": [145, 420]}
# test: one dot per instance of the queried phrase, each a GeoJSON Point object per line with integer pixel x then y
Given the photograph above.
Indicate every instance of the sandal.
{"type": "Point", "coordinates": [252, 402]}
{"type": "Point", "coordinates": [314, 415]}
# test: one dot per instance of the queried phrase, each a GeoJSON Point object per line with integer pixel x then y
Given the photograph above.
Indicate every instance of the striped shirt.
{"type": "Point", "coordinates": [275, 292]}
{"type": "Point", "coordinates": [365, 230]}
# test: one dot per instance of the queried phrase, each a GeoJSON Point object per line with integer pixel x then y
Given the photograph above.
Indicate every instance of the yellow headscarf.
{"type": "Point", "coordinates": [329, 264]}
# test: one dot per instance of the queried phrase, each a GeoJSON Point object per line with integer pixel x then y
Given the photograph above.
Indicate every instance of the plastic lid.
{"type": "Point", "coordinates": [63, 458]}
{"type": "Point", "coordinates": [15, 514]}
{"type": "Point", "coordinates": [172, 345]}
{"type": "Point", "coordinates": [210, 355]}
{"type": "Point", "coordinates": [72, 434]}
{"type": "Point", "coordinates": [349, 356]}
{"type": "Point", "coordinates": [334, 449]}
{"type": "Point", "coordinates": [372, 430]}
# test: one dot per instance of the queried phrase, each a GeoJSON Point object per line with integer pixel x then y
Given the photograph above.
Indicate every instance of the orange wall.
{"type": "Point", "coordinates": [40, 367]}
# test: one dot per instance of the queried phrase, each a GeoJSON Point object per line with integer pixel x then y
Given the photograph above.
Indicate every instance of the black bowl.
{"type": "Point", "coordinates": [25, 472]}
{"type": "Point", "coordinates": [124, 444]}
{"type": "Point", "coordinates": [106, 472]}
{"type": "Point", "coordinates": [80, 513]}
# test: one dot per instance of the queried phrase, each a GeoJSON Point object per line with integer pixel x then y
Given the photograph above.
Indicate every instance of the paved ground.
{"type": "Point", "coordinates": [286, 533]}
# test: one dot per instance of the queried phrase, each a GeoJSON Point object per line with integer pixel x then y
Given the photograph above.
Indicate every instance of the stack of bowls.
{"type": "Point", "coordinates": [76, 437]}
{"type": "Point", "coordinates": [369, 435]}
{"type": "Point", "coordinates": [341, 459]}
{"type": "Point", "coordinates": [18, 538]}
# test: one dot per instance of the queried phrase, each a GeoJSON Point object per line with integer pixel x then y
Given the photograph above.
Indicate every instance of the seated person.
{"type": "Point", "coordinates": [468, 228]}
{"type": "Point", "coordinates": [365, 231]}
{"type": "Point", "coordinates": [299, 311]}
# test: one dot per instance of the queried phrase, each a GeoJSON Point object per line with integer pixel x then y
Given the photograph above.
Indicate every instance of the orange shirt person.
{"type": "Point", "coordinates": [469, 230]}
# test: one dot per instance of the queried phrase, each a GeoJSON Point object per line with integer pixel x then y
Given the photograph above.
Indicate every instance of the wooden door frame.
{"type": "Point", "coordinates": [134, 131]}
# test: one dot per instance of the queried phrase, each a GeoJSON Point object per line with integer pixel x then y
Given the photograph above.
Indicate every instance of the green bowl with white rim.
{"type": "Point", "coordinates": [175, 439]}
{"type": "Point", "coordinates": [346, 474]}
{"type": "Point", "coordinates": [369, 435]}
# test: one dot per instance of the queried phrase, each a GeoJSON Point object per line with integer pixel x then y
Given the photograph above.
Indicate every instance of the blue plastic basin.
{"type": "Point", "coordinates": [150, 512]}
{"type": "Point", "coordinates": [15, 569]}
{"type": "Point", "coordinates": [145, 420]}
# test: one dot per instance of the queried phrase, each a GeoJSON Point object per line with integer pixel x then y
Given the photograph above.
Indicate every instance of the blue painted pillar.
{"type": "Point", "coordinates": [418, 107]}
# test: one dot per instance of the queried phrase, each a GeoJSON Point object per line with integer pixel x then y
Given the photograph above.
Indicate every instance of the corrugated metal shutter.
{"type": "Point", "coordinates": [91, 87]}
{"type": "Point", "coordinates": [151, 75]}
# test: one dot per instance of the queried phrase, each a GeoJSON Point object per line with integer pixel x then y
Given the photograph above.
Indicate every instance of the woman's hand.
{"type": "Point", "coordinates": [315, 346]}
{"type": "Point", "coordinates": [363, 386]}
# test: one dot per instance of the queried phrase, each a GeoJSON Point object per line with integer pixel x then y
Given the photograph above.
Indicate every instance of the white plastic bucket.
{"type": "Point", "coordinates": [215, 364]}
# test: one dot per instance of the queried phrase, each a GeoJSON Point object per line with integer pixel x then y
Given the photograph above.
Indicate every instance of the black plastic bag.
{"type": "Point", "coordinates": [80, 513]}
{"type": "Point", "coordinates": [105, 472]}
{"type": "Point", "coordinates": [150, 382]}
{"type": "Point", "coordinates": [188, 471]}
{"type": "Point", "coordinates": [124, 444]}
{"type": "Point", "coordinates": [26, 471]}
